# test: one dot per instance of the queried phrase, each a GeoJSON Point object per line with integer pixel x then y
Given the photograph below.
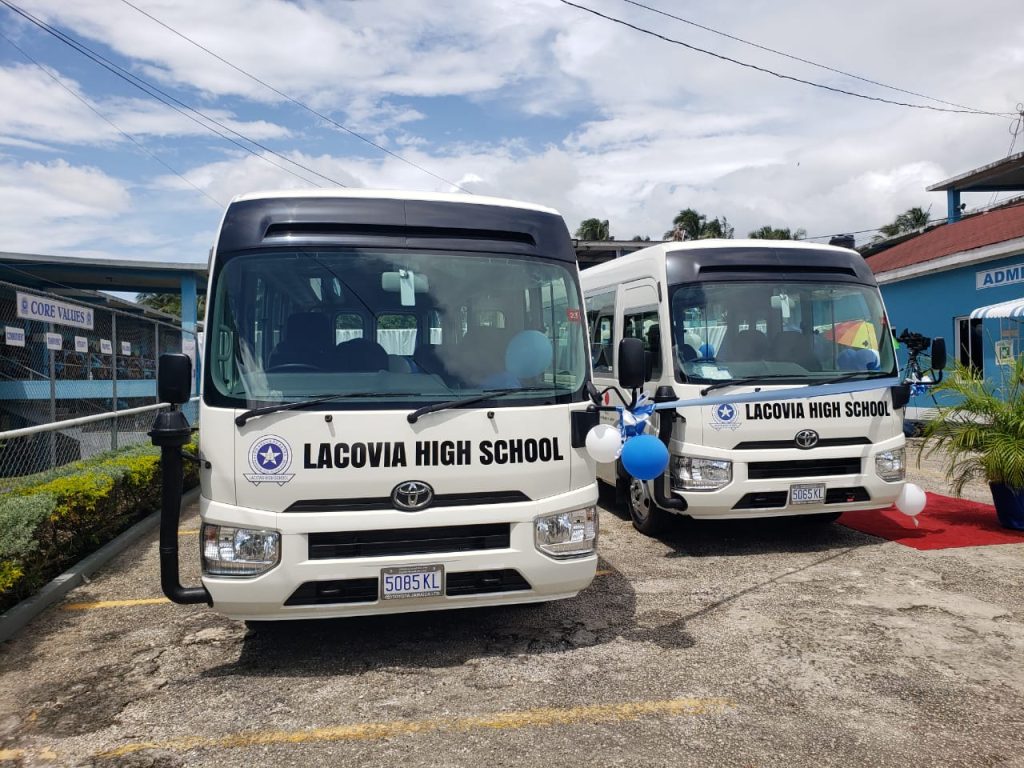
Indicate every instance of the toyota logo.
{"type": "Point", "coordinates": [412, 496]}
{"type": "Point", "coordinates": [806, 438]}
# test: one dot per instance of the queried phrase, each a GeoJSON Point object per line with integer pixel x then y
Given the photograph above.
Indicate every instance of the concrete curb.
{"type": "Point", "coordinates": [12, 622]}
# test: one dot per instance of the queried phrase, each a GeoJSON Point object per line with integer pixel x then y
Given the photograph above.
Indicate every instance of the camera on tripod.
{"type": "Point", "coordinates": [915, 343]}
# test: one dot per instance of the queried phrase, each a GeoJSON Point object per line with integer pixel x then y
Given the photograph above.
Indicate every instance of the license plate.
{"type": "Point", "coordinates": [807, 494]}
{"type": "Point", "coordinates": [411, 581]}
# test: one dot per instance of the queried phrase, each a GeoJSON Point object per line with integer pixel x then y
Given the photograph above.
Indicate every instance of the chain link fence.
{"type": "Point", "coordinates": [63, 361]}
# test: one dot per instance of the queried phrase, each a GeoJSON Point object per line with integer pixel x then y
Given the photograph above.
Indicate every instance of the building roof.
{"type": "Point", "coordinates": [1001, 176]}
{"type": "Point", "coordinates": [996, 226]}
{"type": "Point", "coordinates": [57, 273]}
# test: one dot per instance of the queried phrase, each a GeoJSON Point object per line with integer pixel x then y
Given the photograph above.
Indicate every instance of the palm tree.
{"type": "Point", "coordinates": [690, 224]}
{"type": "Point", "coordinates": [908, 221]}
{"type": "Point", "coordinates": [768, 232]}
{"type": "Point", "coordinates": [593, 229]}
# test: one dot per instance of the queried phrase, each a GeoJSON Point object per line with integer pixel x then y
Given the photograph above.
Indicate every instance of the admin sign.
{"type": "Point", "coordinates": [992, 278]}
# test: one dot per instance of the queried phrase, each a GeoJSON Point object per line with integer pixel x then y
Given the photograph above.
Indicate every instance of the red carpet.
{"type": "Point", "coordinates": [946, 522]}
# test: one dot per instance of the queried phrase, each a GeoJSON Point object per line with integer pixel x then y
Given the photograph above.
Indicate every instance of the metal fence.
{"type": "Point", "coordinates": [64, 361]}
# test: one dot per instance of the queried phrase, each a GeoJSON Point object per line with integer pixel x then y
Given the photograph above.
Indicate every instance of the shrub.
{"type": "Point", "coordinates": [52, 519]}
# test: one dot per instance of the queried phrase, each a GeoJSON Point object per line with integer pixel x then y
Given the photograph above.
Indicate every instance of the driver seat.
{"type": "Point", "coordinates": [307, 338]}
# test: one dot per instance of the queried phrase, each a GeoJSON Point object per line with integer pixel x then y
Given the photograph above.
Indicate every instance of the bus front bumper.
{"type": "Point", "coordinates": [350, 586]}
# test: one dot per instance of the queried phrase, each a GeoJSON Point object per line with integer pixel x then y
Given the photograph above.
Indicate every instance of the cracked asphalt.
{"type": "Point", "coordinates": [737, 643]}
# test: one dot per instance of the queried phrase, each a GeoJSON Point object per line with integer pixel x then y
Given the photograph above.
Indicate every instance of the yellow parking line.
{"type": "Point", "coordinates": [191, 532]}
{"type": "Point", "coordinates": [10, 755]}
{"type": "Point", "coordinates": [604, 572]}
{"type": "Point", "coordinates": [540, 717]}
{"type": "Point", "coordinates": [114, 603]}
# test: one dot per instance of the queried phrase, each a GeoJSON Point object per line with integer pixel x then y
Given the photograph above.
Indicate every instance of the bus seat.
{"type": "Point", "coordinates": [360, 356]}
{"type": "Point", "coordinates": [794, 347]}
{"type": "Point", "coordinates": [750, 344]}
{"type": "Point", "coordinates": [481, 354]}
{"type": "Point", "coordinates": [307, 337]}
{"type": "Point", "coordinates": [399, 364]}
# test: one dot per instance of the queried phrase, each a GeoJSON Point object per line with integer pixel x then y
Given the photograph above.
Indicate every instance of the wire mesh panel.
{"type": "Point", "coordinates": [62, 360]}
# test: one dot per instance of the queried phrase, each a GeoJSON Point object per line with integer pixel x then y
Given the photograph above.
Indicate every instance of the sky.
{"type": "Point", "coordinates": [534, 100]}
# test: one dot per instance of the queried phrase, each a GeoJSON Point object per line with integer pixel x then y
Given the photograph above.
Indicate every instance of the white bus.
{"type": "Point", "coordinates": [728, 318]}
{"type": "Point", "coordinates": [393, 409]}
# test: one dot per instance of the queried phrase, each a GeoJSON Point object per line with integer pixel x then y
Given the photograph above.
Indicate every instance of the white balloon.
{"type": "Point", "coordinates": [911, 500]}
{"type": "Point", "coordinates": [604, 443]}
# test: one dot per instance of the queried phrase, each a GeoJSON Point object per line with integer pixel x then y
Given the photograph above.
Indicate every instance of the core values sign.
{"type": "Point", "coordinates": [49, 311]}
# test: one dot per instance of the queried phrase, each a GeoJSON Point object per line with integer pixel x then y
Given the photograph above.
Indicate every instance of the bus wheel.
{"type": "Point", "coordinates": [647, 517]}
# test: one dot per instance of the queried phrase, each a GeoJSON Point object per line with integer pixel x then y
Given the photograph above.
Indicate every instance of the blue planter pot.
{"type": "Point", "coordinates": [1009, 506]}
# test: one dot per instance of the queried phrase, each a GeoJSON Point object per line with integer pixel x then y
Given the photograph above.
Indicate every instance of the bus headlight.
{"type": "Point", "coordinates": [567, 534]}
{"type": "Point", "coordinates": [891, 466]}
{"type": "Point", "coordinates": [231, 551]}
{"type": "Point", "coordinates": [693, 474]}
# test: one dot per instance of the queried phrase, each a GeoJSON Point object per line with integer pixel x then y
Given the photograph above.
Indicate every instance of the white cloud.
{"type": "Point", "coordinates": [661, 127]}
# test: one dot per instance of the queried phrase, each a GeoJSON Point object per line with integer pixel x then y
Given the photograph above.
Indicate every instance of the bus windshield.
{"type": "Point", "coordinates": [391, 328]}
{"type": "Point", "coordinates": [784, 331]}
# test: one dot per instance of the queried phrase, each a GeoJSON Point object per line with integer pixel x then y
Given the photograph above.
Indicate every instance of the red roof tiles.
{"type": "Point", "coordinates": [973, 232]}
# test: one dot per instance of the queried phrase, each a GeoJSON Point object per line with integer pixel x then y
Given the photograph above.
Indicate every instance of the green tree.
{"type": "Point", "coordinates": [690, 224]}
{"type": "Point", "coordinates": [768, 232]}
{"type": "Point", "coordinates": [593, 229]}
{"type": "Point", "coordinates": [641, 239]}
{"type": "Point", "coordinates": [167, 302]}
{"type": "Point", "coordinates": [908, 221]}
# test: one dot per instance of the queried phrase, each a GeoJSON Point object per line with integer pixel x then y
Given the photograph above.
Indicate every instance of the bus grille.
{"type": "Point", "coordinates": [334, 592]}
{"type": "Point", "coordinates": [342, 591]}
{"type": "Point", "coordinates": [779, 499]}
{"type": "Point", "coordinates": [765, 470]}
{"type": "Point", "coordinates": [409, 541]}
{"type": "Point", "coordinates": [484, 582]}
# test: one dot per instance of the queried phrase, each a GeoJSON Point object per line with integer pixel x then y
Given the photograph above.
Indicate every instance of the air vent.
{"type": "Point", "coordinates": [304, 230]}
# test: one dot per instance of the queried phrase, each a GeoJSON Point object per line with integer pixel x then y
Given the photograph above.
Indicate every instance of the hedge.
{"type": "Point", "coordinates": [50, 520]}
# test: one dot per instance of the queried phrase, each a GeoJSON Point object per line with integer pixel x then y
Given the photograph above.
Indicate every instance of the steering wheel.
{"type": "Point", "coordinates": [292, 368]}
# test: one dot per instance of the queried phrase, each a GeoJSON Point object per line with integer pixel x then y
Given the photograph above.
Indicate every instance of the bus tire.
{"type": "Point", "coordinates": [648, 517]}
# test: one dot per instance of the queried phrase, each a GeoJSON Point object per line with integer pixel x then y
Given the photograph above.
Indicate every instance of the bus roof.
{"type": "Point", "coordinates": [395, 194]}
{"type": "Point", "coordinates": [700, 260]}
{"type": "Point", "coordinates": [393, 219]}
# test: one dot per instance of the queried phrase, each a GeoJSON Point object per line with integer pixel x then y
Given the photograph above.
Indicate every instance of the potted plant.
{"type": "Point", "coordinates": [982, 436]}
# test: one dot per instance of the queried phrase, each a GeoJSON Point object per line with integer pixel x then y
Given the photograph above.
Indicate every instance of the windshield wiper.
{"type": "Point", "coordinates": [856, 375]}
{"type": "Point", "coordinates": [745, 380]}
{"type": "Point", "coordinates": [278, 407]}
{"type": "Point", "coordinates": [485, 395]}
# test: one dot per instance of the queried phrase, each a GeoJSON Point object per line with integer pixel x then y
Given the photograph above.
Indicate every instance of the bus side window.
{"type": "Point", "coordinates": [644, 325]}
{"type": "Point", "coordinates": [600, 318]}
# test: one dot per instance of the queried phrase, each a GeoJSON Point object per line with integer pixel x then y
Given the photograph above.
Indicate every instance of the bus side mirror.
{"type": "Point", "coordinates": [938, 354]}
{"type": "Point", "coordinates": [632, 363]}
{"type": "Point", "coordinates": [174, 379]}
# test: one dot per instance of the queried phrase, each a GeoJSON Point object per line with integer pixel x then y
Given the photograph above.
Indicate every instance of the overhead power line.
{"type": "Point", "coordinates": [790, 56]}
{"type": "Point", "coordinates": [771, 72]}
{"type": "Point", "coordinates": [165, 98]}
{"type": "Point", "coordinates": [111, 123]}
{"type": "Point", "coordinates": [292, 99]}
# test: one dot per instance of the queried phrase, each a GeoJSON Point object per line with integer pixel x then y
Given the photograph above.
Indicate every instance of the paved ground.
{"type": "Point", "coordinates": [733, 644]}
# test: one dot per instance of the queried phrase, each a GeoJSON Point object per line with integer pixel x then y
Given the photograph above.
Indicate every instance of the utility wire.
{"type": "Point", "coordinates": [111, 123]}
{"type": "Point", "coordinates": [807, 61]}
{"type": "Point", "coordinates": [773, 72]}
{"type": "Point", "coordinates": [292, 99]}
{"type": "Point", "coordinates": [165, 98]}
{"type": "Point", "coordinates": [1015, 128]}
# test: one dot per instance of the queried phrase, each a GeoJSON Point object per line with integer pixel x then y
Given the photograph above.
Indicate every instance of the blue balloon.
{"type": "Point", "coordinates": [528, 354]}
{"type": "Point", "coordinates": [644, 457]}
{"type": "Point", "coordinates": [706, 350]}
